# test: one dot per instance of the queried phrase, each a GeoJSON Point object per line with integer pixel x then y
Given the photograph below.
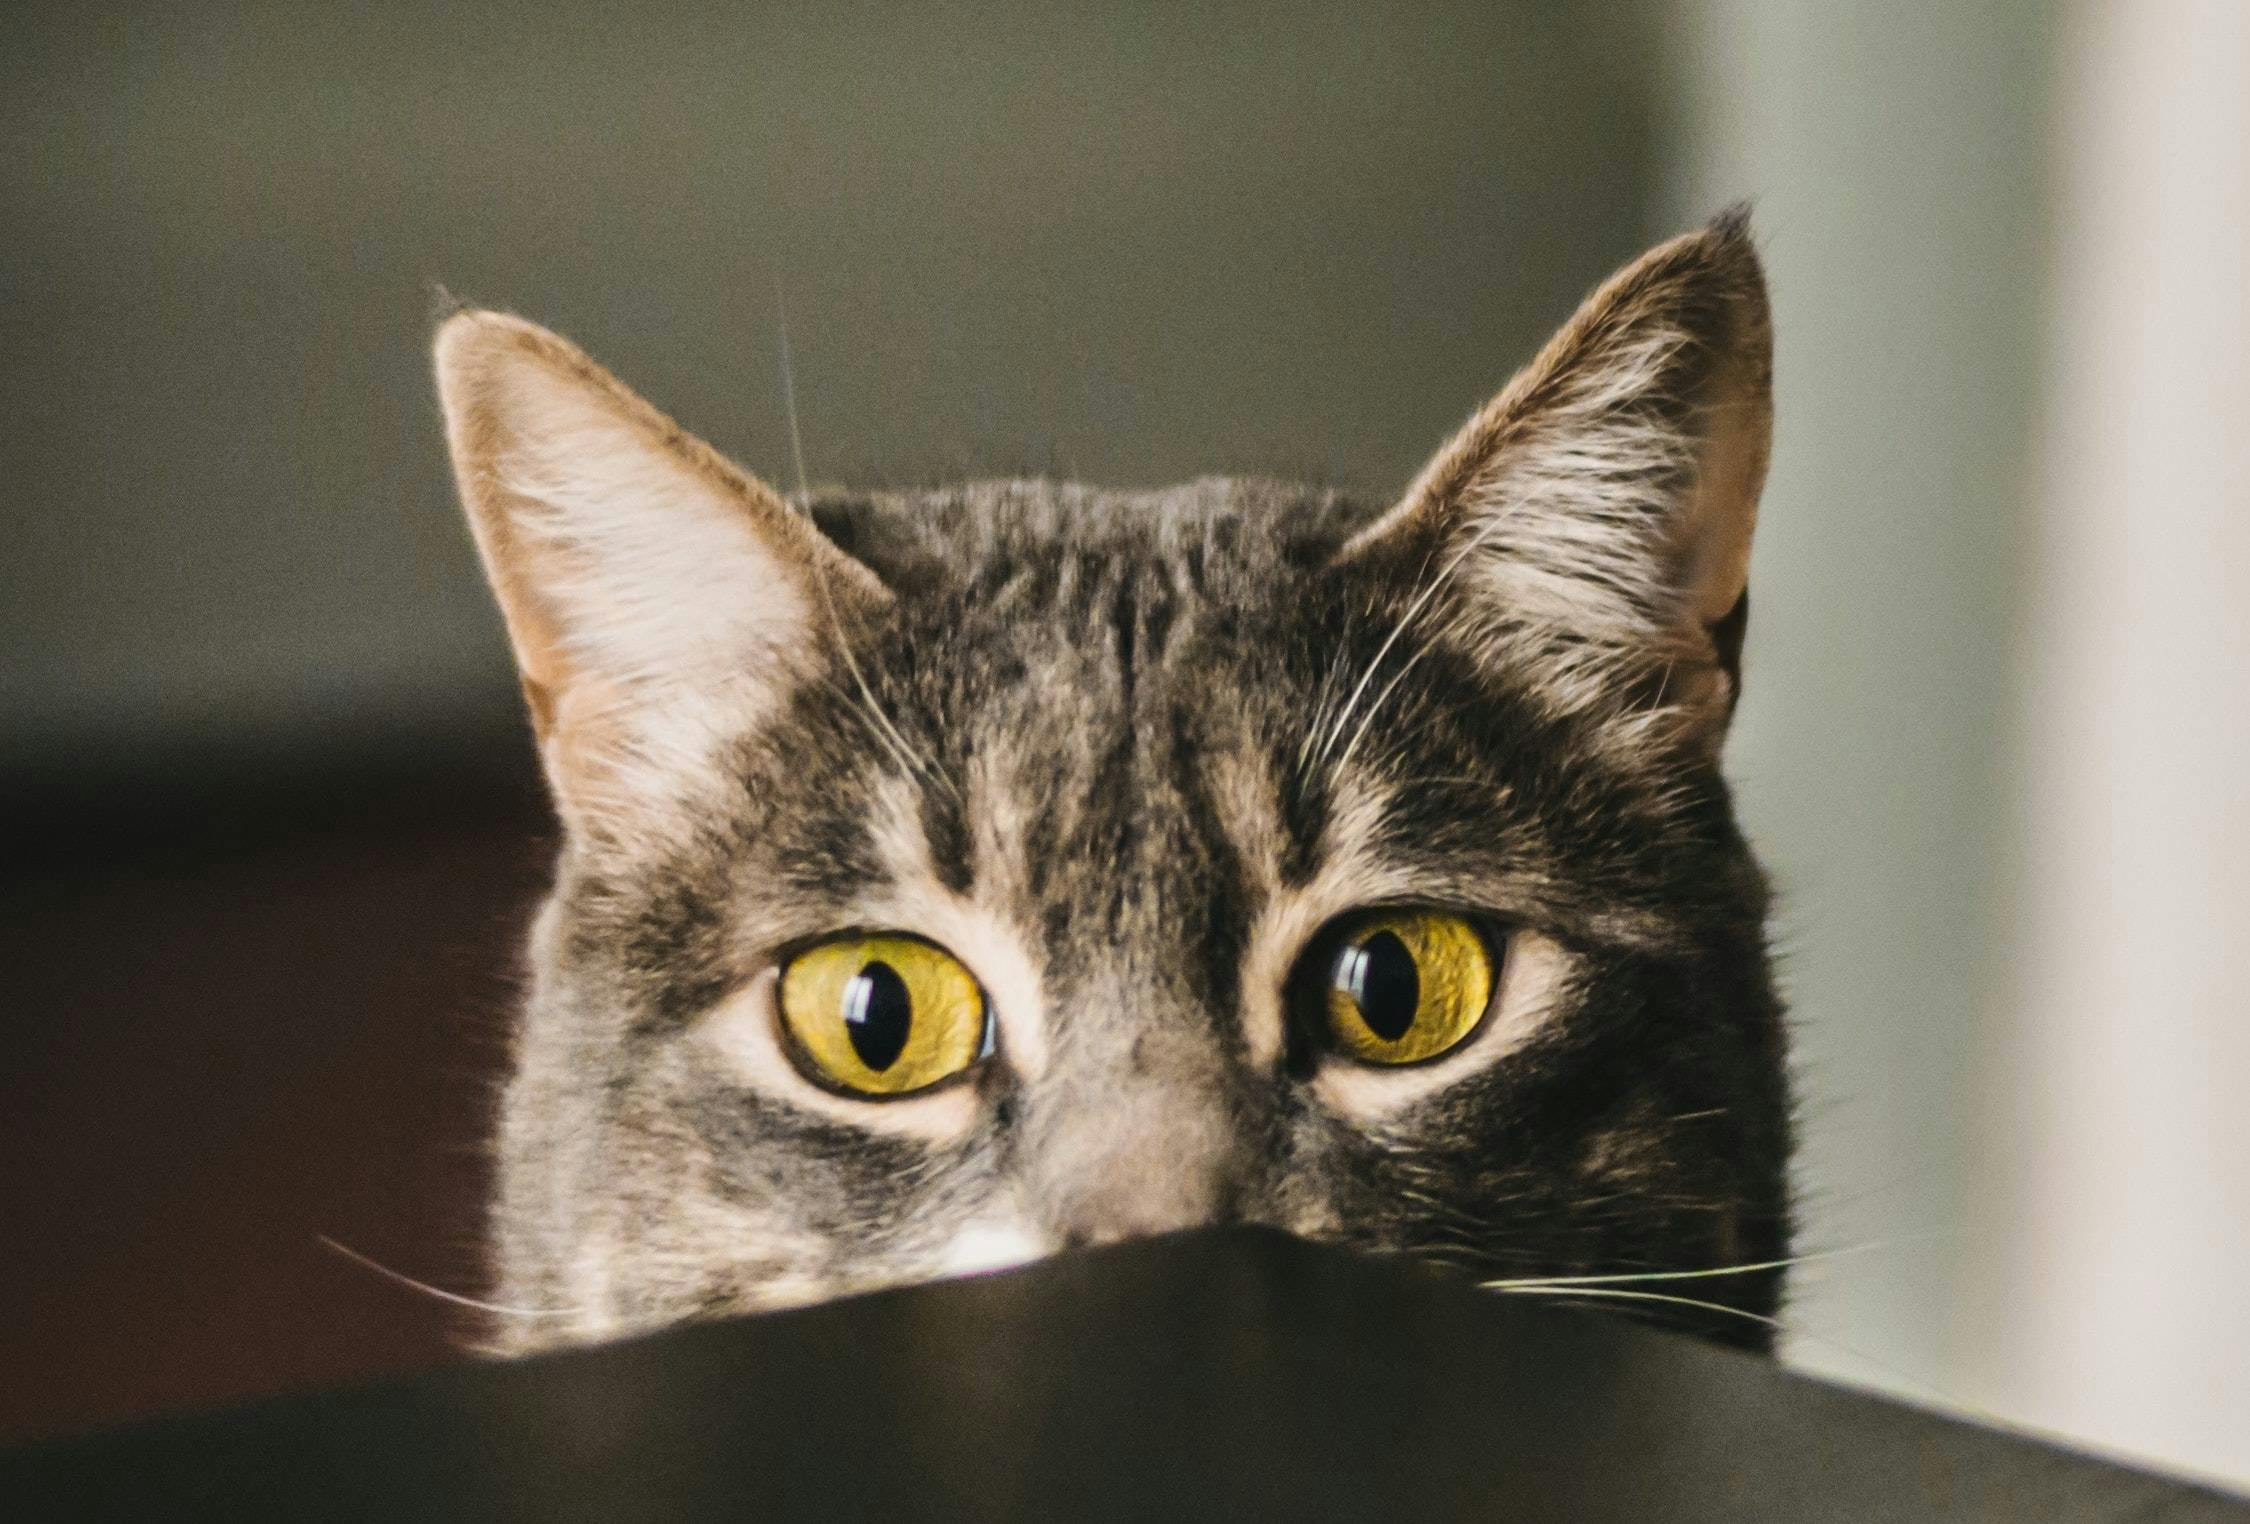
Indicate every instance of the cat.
{"type": "Point", "coordinates": [952, 877]}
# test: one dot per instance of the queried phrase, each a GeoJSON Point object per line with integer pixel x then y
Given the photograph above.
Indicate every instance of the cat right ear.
{"type": "Point", "coordinates": [655, 593]}
{"type": "Point", "coordinates": [1594, 519]}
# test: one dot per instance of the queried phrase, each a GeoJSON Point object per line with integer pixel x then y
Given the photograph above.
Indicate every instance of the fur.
{"type": "Point", "coordinates": [1125, 754]}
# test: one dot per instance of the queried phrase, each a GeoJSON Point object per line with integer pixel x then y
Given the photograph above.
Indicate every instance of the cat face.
{"type": "Point", "coordinates": [955, 877]}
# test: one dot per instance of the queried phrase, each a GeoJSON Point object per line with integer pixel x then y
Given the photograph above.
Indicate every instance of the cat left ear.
{"type": "Point", "coordinates": [1593, 521]}
{"type": "Point", "coordinates": [655, 592]}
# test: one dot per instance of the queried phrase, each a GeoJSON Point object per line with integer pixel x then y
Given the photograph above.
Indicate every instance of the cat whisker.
{"type": "Point", "coordinates": [1335, 729]}
{"type": "Point", "coordinates": [885, 731]}
{"type": "Point", "coordinates": [1615, 1294]}
{"type": "Point", "coordinates": [453, 1297]}
{"type": "Point", "coordinates": [1376, 708]}
{"type": "Point", "coordinates": [789, 391]}
{"type": "Point", "coordinates": [1902, 1382]}
{"type": "Point", "coordinates": [1750, 1268]}
{"type": "Point", "coordinates": [1414, 610]}
{"type": "Point", "coordinates": [1320, 710]}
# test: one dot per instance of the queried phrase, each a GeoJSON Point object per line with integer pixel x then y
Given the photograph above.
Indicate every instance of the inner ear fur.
{"type": "Point", "coordinates": [633, 564]}
{"type": "Point", "coordinates": [1601, 507]}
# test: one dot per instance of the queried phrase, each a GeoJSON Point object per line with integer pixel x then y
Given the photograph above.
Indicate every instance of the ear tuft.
{"type": "Point", "coordinates": [1732, 222]}
{"type": "Point", "coordinates": [1594, 519]}
{"type": "Point", "coordinates": [444, 304]}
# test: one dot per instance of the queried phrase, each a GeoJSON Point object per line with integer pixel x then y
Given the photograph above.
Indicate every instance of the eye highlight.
{"type": "Point", "coordinates": [883, 1015]}
{"type": "Point", "coordinates": [1397, 986]}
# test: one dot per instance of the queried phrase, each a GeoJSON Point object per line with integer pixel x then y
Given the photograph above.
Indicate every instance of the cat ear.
{"type": "Point", "coordinates": [654, 592]}
{"type": "Point", "coordinates": [1593, 521]}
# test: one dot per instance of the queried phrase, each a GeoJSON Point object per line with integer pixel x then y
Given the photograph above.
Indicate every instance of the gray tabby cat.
{"type": "Point", "coordinates": [952, 877]}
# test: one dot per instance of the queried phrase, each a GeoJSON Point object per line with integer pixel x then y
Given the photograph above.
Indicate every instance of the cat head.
{"type": "Point", "coordinates": [953, 877]}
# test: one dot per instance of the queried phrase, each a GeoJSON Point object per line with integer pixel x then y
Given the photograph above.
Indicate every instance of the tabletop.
{"type": "Point", "coordinates": [1221, 1374]}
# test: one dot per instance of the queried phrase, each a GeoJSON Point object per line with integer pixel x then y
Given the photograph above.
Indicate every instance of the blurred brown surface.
{"type": "Point", "coordinates": [221, 1051]}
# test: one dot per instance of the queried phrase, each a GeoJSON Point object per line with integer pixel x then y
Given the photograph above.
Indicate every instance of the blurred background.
{"type": "Point", "coordinates": [272, 822]}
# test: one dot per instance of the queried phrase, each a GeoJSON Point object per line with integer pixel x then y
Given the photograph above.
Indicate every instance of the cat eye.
{"type": "Point", "coordinates": [1397, 986]}
{"type": "Point", "coordinates": [883, 1014]}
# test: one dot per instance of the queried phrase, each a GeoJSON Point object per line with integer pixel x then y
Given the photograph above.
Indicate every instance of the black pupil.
{"type": "Point", "coordinates": [1379, 974]}
{"type": "Point", "coordinates": [878, 1014]}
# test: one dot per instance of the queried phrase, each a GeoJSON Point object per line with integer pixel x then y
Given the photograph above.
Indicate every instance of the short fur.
{"type": "Point", "coordinates": [1125, 754]}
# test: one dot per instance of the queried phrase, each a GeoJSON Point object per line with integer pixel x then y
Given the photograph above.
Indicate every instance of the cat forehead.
{"type": "Point", "coordinates": [1111, 710]}
{"type": "Point", "coordinates": [1042, 631]}
{"type": "Point", "coordinates": [962, 532]}
{"type": "Point", "coordinates": [1127, 731]}
{"type": "Point", "coordinates": [1125, 676]}
{"type": "Point", "coordinates": [1073, 747]}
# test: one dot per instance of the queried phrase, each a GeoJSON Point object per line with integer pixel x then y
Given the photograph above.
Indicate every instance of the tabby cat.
{"type": "Point", "coordinates": [951, 877]}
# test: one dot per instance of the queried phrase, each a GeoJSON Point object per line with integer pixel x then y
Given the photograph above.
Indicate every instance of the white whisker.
{"type": "Point", "coordinates": [1572, 1287]}
{"type": "Point", "coordinates": [1376, 708]}
{"type": "Point", "coordinates": [1414, 610]}
{"type": "Point", "coordinates": [886, 732]}
{"type": "Point", "coordinates": [454, 1297]}
{"type": "Point", "coordinates": [789, 392]}
{"type": "Point", "coordinates": [1683, 1275]}
{"type": "Point", "coordinates": [1645, 1296]}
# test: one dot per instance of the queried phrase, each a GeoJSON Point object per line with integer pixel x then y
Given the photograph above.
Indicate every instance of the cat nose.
{"type": "Point", "coordinates": [1137, 1166]}
{"type": "Point", "coordinates": [1144, 1215]}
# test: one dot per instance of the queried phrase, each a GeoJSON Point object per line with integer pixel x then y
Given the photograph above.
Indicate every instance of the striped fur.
{"type": "Point", "coordinates": [1126, 754]}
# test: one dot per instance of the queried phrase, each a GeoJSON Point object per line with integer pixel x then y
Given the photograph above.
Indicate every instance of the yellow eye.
{"type": "Point", "coordinates": [1403, 985]}
{"type": "Point", "coordinates": [883, 1015]}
